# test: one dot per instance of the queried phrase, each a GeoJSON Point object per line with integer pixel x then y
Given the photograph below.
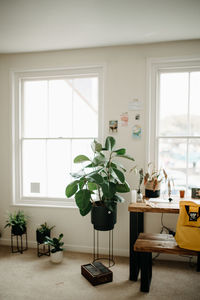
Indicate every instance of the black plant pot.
{"type": "Point", "coordinates": [16, 230]}
{"type": "Point", "coordinates": [40, 237]}
{"type": "Point", "coordinates": [152, 194]}
{"type": "Point", "coordinates": [102, 218]}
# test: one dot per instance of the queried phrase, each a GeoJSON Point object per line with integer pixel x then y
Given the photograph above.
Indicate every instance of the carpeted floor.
{"type": "Point", "coordinates": [25, 276]}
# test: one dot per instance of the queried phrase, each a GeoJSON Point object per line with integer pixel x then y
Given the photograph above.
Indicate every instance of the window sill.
{"type": "Point", "coordinates": [64, 203]}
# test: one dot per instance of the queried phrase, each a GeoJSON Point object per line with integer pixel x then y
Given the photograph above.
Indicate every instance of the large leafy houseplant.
{"type": "Point", "coordinates": [101, 178]}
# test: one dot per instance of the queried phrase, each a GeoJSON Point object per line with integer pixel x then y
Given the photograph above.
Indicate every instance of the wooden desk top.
{"type": "Point", "coordinates": [159, 207]}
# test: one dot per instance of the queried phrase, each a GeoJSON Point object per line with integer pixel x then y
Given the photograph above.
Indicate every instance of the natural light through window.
{"type": "Point", "coordinates": [58, 118]}
{"type": "Point", "coordinates": [178, 130]}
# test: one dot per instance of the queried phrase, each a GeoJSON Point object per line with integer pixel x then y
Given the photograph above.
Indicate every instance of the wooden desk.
{"type": "Point", "coordinates": [136, 211]}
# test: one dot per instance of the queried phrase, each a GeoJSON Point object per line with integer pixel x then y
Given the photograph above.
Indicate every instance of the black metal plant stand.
{"type": "Point", "coordinates": [19, 243]}
{"type": "Point", "coordinates": [43, 249]}
{"type": "Point", "coordinates": [96, 255]}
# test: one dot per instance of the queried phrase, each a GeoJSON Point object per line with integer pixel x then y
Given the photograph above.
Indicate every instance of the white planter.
{"type": "Point", "coordinates": [56, 257]}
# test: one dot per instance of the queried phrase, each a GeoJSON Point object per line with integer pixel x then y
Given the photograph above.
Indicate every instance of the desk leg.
{"type": "Point", "coordinates": [198, 262]}
{"type": "Point", "coordinates": [136, 226]}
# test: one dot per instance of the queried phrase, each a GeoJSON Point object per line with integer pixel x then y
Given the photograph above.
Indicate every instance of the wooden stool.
{"type": "Point", "coordinates": [160, 243]}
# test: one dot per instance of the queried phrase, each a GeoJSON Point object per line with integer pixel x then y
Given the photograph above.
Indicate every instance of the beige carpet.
{"type": "Point", "coordinates": [25, 276]}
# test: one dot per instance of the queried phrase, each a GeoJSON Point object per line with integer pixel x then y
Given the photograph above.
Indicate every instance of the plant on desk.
{"type": "Point", "coordinates": [152, 181]}
{"type": "Point", "coordinates": [104, 182]}
{"type": "Point", "coordinates": [17, 221]}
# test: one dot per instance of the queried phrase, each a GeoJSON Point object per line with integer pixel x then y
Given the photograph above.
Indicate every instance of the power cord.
{"type": "Point", "coordinates": [163, 229]}
{"type": "Point", "coordinates": [168, 230]}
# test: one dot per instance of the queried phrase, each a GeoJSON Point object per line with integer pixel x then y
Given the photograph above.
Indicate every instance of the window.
{"type": "Point", "coordinates": [175, 101]}
{"type": "Point", "coordinates": [56, 117]}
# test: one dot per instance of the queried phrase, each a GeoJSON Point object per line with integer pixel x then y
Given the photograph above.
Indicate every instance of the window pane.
{"type": "Point", "coordinates": [195, 103]}
{"type": "Point", "coordinates": [173, 104]}
{"type": "Point", "coordinates": [34, 168]}
{"type": "Point", "coordinates": [172, 157]}
{"type": "Point", "coordinates": [85, 112]}
{"type": "Point", "coordinates": [35, 108]}
{"type": "Point", "coordinates": [58, 167]}
{"type": "Point", "coordinates": [194, 163]}
{"type": "Point", "coordinates": [81, 147]}
{"type": "Point", "coordinates": [60, 108]}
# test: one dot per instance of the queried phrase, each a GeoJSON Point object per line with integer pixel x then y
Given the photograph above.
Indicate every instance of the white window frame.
{"type": "Point", "coordinates": [154, 67]}
{"type": "Point", "coordinates": [17, 76]}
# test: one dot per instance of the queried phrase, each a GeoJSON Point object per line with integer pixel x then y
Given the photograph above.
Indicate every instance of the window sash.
{"type": "Point", "coordinates": [156, 66]}
{"type": "Point", "coordinates": [17, 79]}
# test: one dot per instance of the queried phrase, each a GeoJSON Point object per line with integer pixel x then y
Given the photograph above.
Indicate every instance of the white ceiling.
{"type": "Point", "coordinates": [38, 25]}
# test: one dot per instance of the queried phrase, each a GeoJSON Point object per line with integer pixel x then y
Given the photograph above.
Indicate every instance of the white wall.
{"type": "Point", "coordinates": [125, 79]}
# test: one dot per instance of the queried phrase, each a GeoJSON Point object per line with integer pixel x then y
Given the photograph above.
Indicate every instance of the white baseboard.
{"type": "Point", "coordinates": [117, 252]}
{"type": "Point", "coordinates": [74, 248]}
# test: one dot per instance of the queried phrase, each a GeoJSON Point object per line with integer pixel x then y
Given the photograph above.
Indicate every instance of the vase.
{"type": "Point", "coordinates": [16, 230]}
{"type": "Point", "coordinates": [150, 191]}
{"type": "Point", "coordinates": [56, 257]}
{"type": "Point", "coordinates": [102, 218]}
{"type": "Point", "coordinates": [40, 237]}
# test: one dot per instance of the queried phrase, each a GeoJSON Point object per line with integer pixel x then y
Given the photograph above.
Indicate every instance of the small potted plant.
{"type": "Point", "coordinates": [57, 249]}
{"type": "Point", "coordinates": [152, 181]}
{"type": "Point", "coordinates": [17, 221]}
{"type": "Point", "coordinates": [97, 186]}
{"type": "Point", "coordinates": [43, 231]}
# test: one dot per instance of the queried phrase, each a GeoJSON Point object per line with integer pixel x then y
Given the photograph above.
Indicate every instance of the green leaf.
{"type": "Point", "coordinates": [99, 160]}
{"type": "Point", "coordinates": [110, 142]}
{"type": "Point", "coordinates": [121, 151]}
{"type": "Point", "coordinates": [92, 186]}
{"type": "Point", "coordinates": [96, 178]}
{"type": "Point", "coordinates": [80, 158]}
{"type": "Point", "coordinates": [118, 165]}
{"type": "Point", "coordinates": [81, 183]}
{"type": "Point", "coordinates": [126, 156]}
{"type": "Point", "coordinates": [119, 175]}
{"type": "Point", "coordinates": [90, 166]}
{"type": "Point", "coordinates": [119, 198]}
{"type": "Point", "coordinates": [75, 175]}
{"type": "Point", "coordinates": [71, 189]}
{"type": "Point", "coordinates": [86, 210]}
{"type": "Point", "coordinates": [60, 236]}
{"type": "Point", "coordinates": [108, 189]}
{"type": "Point", "coordinates": [96, 147]}
{"type": "Point", "coordinates": [82, 198]}
{"type": "Point", "coordinates": [123, 188]}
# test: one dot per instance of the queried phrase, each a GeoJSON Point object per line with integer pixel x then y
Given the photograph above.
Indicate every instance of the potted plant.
{"type": "Point", "coordinates": [57, 250]}
{"type": "Point", "coordinates": [98, 184]}
{"type": "Point", "coordinates": [152, 181]}
{"type": "Point", "coordinates": [17, 221]}
{"type": "Point", "coordinates": [43, 231]}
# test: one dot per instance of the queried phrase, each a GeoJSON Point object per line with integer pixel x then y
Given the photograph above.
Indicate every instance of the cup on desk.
{"type": "Point", "coordinates": [133, 196]}
{"type": "Point", "coordinates": [182, 193]}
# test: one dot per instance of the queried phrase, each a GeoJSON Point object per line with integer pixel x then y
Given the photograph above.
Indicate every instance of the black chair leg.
{"type": "Point", "coordinates": [146, 271]}
{"type": "Point", "coordinates": [198, 262]}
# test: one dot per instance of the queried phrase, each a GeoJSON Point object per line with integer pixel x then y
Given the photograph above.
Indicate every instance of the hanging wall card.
{"type": "Point", "coordinates": [136, 131]}
{"type": "Point", "coordinates": [113, 126]}
{"type": "Point", "coordinates": [124, 119]}
{"type": "Point", "coordinates": [135, 104]}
